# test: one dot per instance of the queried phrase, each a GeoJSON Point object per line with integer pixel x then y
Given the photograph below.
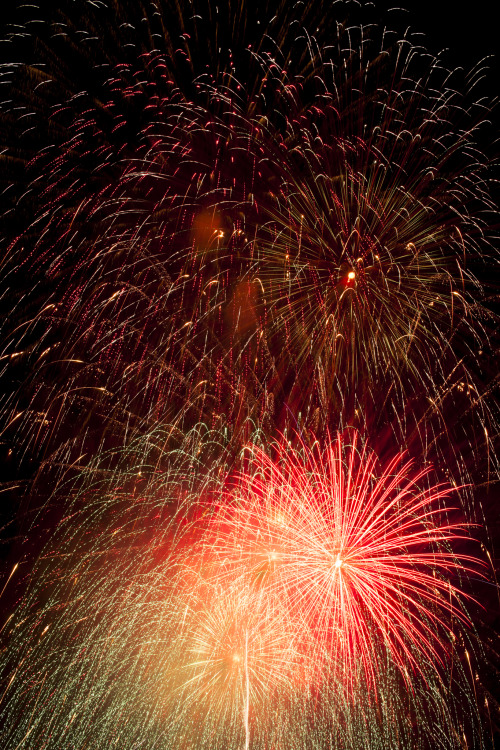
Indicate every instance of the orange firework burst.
{"type": "Point", "coordinates": [356, 555]}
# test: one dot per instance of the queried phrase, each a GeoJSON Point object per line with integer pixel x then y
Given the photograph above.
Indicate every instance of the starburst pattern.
{"type": "Point", "coordinates": [356, 554]}
{"type": "Point", "coordinates": [315, 586]}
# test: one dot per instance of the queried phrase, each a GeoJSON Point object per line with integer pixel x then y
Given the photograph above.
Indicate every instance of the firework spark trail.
{"type": "Point", "coordinates": [247, 695]}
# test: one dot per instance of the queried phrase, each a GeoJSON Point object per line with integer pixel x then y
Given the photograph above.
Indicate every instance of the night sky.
{"type": "Point", "coordinates": [464, 33]}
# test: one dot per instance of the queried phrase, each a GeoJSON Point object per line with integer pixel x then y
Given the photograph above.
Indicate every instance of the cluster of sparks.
{"type": "Point", "coordinates": [316, 590]}
{"type": "Point", "coordinates": [345, 551]}
{"type": "Point", "coordinates": [244, 319]}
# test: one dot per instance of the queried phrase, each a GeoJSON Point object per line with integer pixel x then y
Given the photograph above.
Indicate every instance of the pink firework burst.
{"type": "Point", "coordinates": [360, 557]}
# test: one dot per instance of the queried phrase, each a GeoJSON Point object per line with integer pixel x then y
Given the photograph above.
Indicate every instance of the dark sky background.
{"type": "Point", "coordinates": [466, 32]}
{"type": "Point", "coordinates": [469, 30]}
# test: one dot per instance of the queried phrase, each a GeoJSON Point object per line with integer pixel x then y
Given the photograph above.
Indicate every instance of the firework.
{"type": "Point", "coordinates": [363, 258]}
{"type": "Point", "coordinates": [155, 616]}
{"type": "Point", "coordinates": [357, 555]}
{"type": "Point", "coordinates": [229, 236]}
{"type": "Point", "coordinates": [222, 225]}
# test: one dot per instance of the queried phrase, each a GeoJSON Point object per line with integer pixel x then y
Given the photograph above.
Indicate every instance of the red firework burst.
{"type": "Point", "coordinates": [360, 557]}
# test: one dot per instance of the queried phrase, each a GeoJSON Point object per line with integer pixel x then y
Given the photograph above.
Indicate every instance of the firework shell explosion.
{"type": "Point", "coordinates": [285, 223]}
{"type": "Point", "coordinates": [249, 397]}
{"type": "Point", "coordinates": [317, 603]}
